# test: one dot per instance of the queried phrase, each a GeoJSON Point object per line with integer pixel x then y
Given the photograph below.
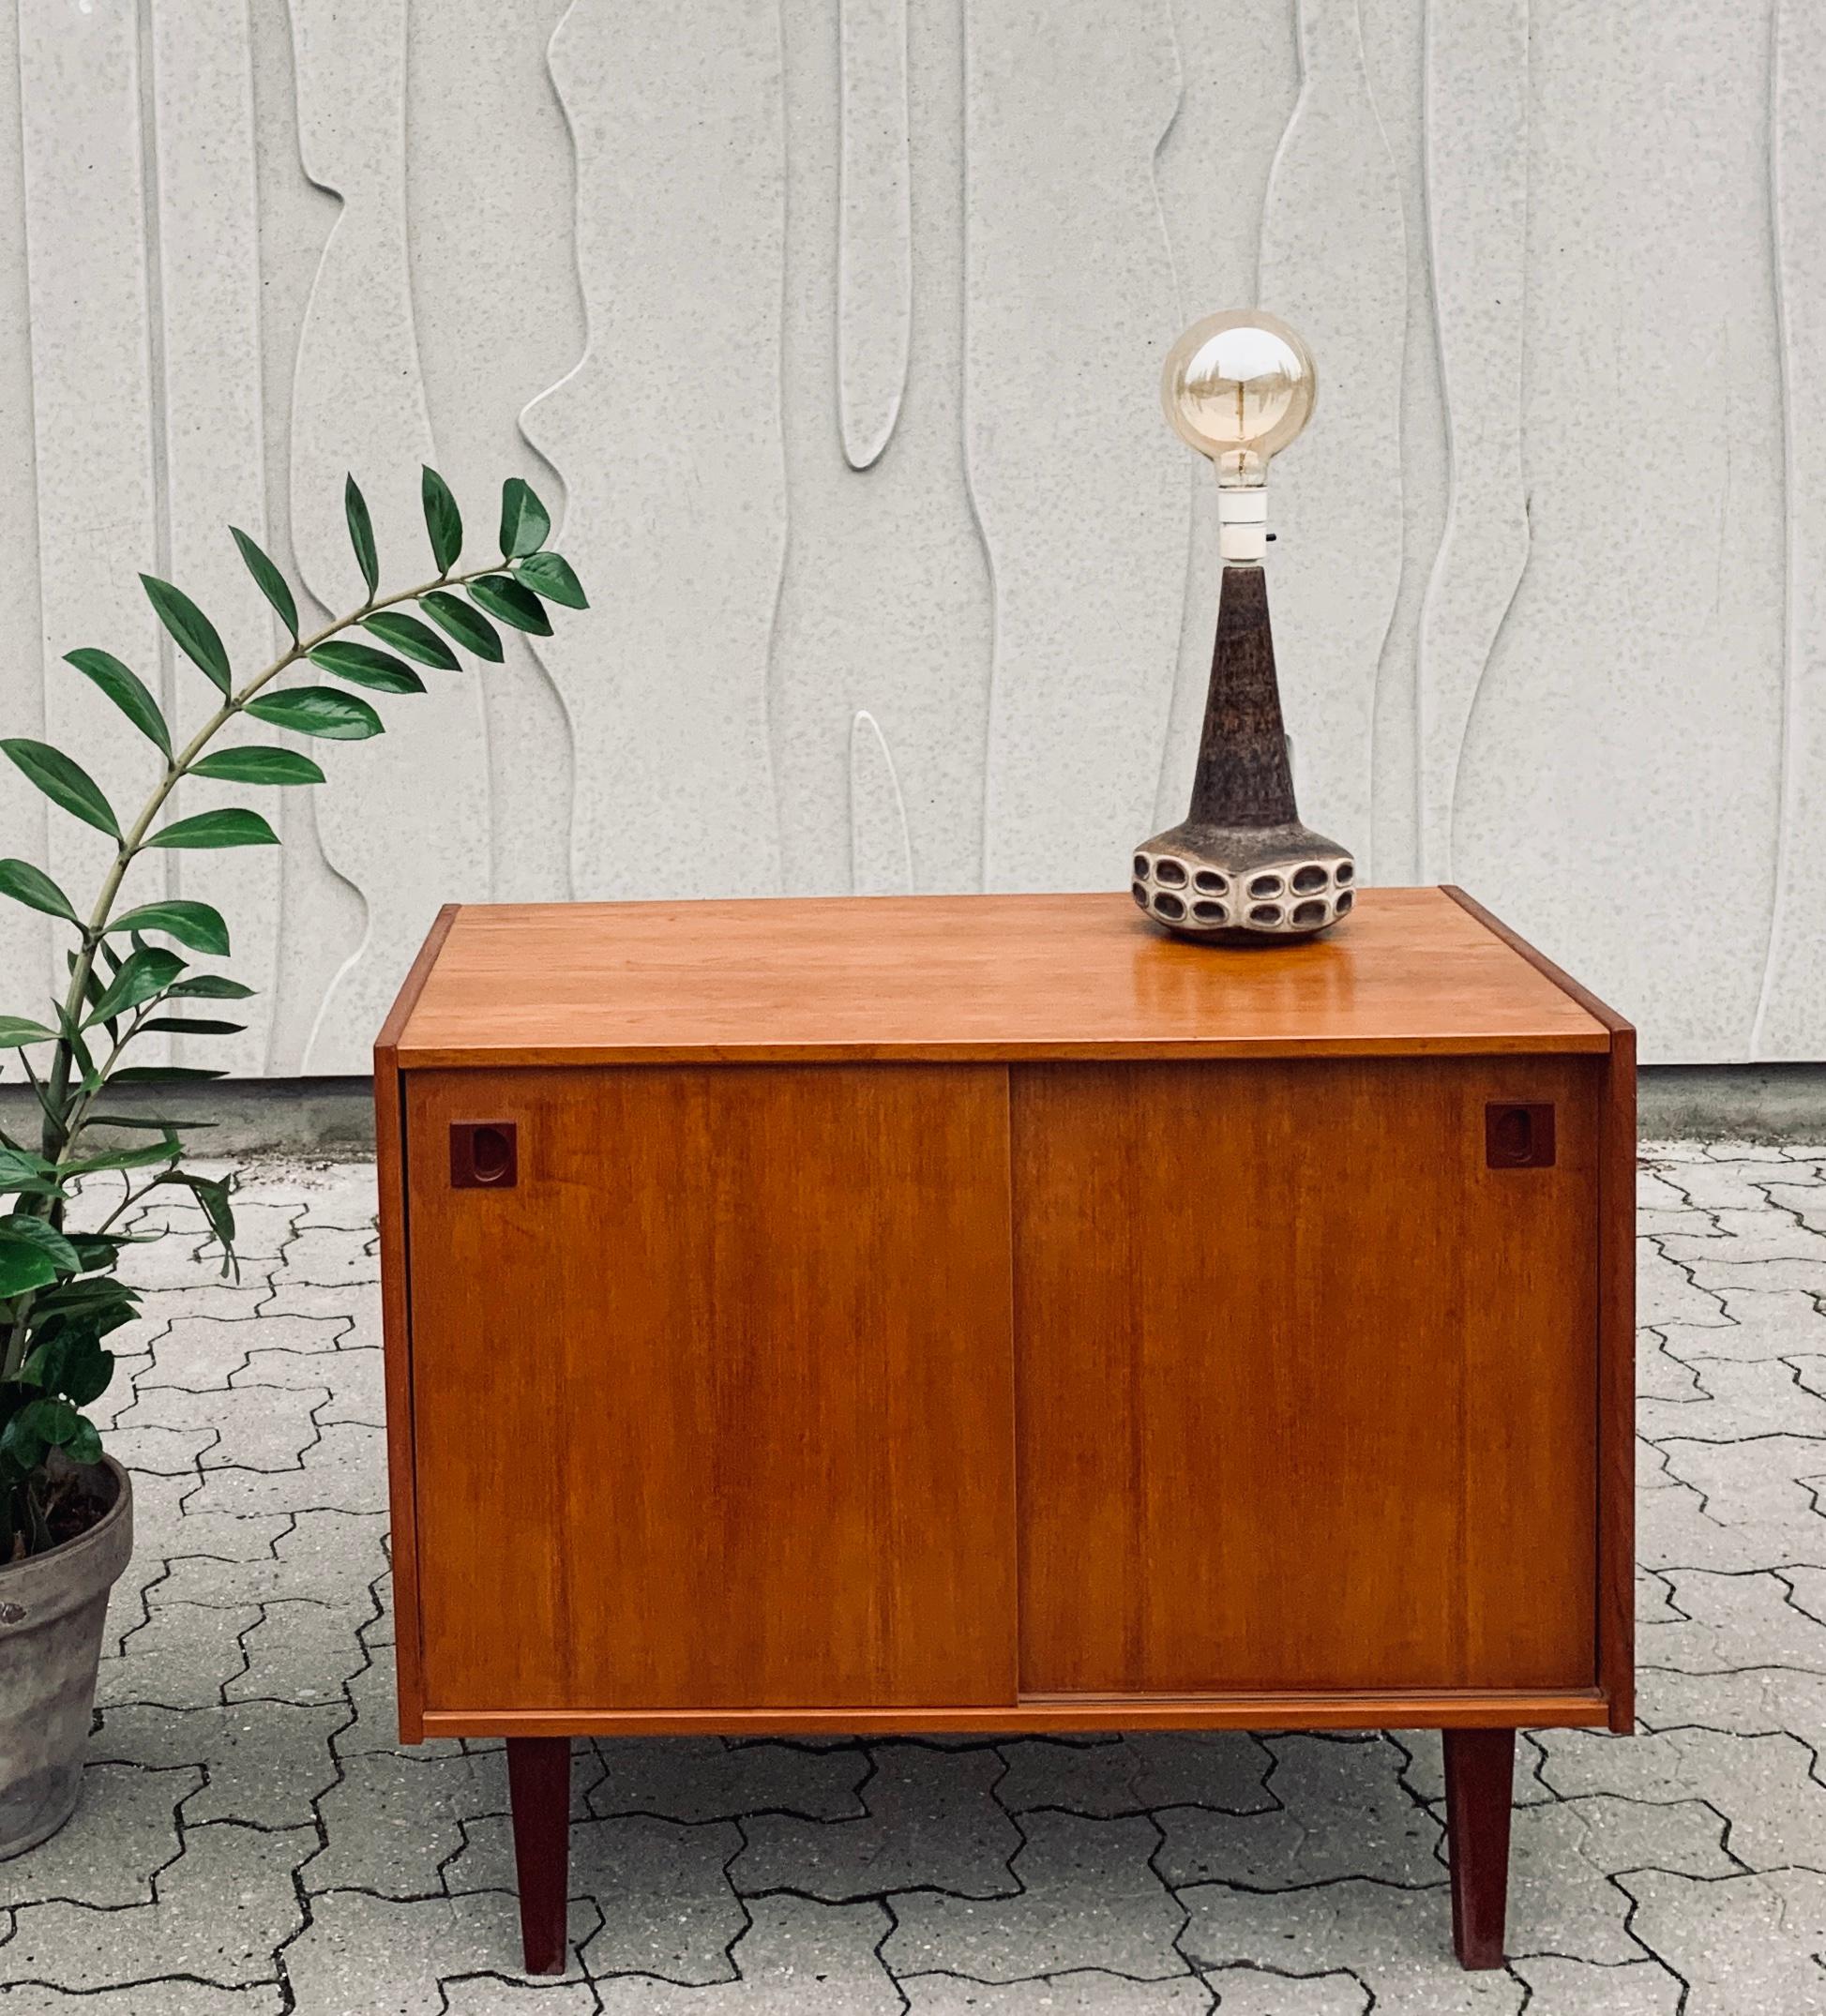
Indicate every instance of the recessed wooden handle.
{"type": "Point", "coordinates": [1518, 1137]}
{"type": "Point", "coordinates": [484, 1154]}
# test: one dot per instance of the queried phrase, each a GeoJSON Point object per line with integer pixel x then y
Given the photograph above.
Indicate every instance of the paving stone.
{"type": "Point", "coordinates": [357, 1383]}
{"type": "Point", "coordinates": [1748, 1505]}
{"type": "Point", "coordinates": [323, 1556]}
{"type": "Point", "coordinates": [143, 1998]}
{"type": "Point", "coordinates": [1681, 1220]}
{"type": "Point", "coordinates": [930, 1821]}
{"type": "Point", "coordinates": [148, 1449]}
{"type": "Point", "coordinates": [1759, 1701]}
{"type": "Point", "coordinates": [1734, 1620]}
{"type": "Point", "coordinates": [1665, 1293]}
{"type": "Point", "coordinates": [1733, 1400]}
{"type": "Point", "coordinates": [205, 1353]}
{"type": "Point", "coordinates": [341, 1194]}
{"type": "Point", "coordinates": [347, 1472]}
{"type": "Point", "coordinates": [797, 1958]}
{"type": "Point", "coordinates": [329, 1258]}
{"type": "Point", "coordinates": [112, 1849]}
{"type": "Point", "coordinates": [394, 1821]}
{"type": "Point", "coordinates": [371, 1956]}
{"type": "Point", "coordinates": [129, 1370]}
{"type": "Point", "coordinates": [1748, 1943]}
{"type": "Point", "coordinates": [485, 1995]}
{"type": "Point", "coordinates": [182, 1657]}
{"type": "Point", "coordinates": [1089, 1898]}
{"type": "Point", "coordinates": [264, 1763]}
{"type": "Point", "coordinates": [692, 1778]}
{"type": "Point", "coordinates": [1399, 1942]}
{"type": "Point", "coordinates": [662, 1890]}
{"type": "Point", "coordinates": [1561, 1987]}
{"type": "Point", "coordinates": [1761, 1784]}
{"type": "Point", "coordinates": [301, 1652]}
{"type": "Point", "coordinates": [1760, 1323]}
{"type": "Point", "coordinates": [1255, 1992]}
{"type": "Point", "coordinates": [253, 1428]}
{"type": "Point", "coordinates": [1423, 1772]}
{"type": "Point", "coordinates": [359, 1307]}
{"type": "Point", "coordinates": [1662, 1376]}
{"type": "Point", "coordinates": [1224, 1768]}
{"type": "Point", "coordinates": [1088, 1993]}
{"type": "Point", "coordinates": [1715, 1186]}
{"type": "Point", "coordinates": [1555, 1905]}
{"type": "Point", "coordinates": [1344, 1812]}
{"type": "Point", "coordinates": [223, 1906]}
{"type": "Point", "coordinates": [168, 1527]}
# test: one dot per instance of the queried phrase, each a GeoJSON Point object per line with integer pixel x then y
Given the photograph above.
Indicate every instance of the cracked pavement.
{"type": "Point", "coordinates": [253, 1840]}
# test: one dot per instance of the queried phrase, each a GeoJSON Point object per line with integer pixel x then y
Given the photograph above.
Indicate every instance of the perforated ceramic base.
{"type": "Point", "coordinates": [1270, 881]}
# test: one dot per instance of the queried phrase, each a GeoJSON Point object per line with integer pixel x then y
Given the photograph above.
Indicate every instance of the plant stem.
{"type": "Point", "coordinates": [65, 1117]}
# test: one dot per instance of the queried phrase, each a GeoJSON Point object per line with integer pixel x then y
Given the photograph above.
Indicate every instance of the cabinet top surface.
{"type": "Point", "coordinates": [947, 978]}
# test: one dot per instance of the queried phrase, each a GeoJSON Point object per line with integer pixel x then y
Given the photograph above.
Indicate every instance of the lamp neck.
{"type": "Point", "coordinates": [1243, 777]}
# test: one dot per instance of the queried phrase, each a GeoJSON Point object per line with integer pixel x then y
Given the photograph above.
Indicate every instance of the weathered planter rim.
{"type": "Point", "coordinates": [49, 1586]}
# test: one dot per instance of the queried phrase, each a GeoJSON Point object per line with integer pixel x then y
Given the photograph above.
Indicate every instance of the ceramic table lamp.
{"type": "Point", "coordinates": [1240, 866]}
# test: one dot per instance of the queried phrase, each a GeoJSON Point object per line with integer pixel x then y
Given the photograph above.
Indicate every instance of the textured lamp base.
{"type": "Point", "coordinates": [1239, 883]}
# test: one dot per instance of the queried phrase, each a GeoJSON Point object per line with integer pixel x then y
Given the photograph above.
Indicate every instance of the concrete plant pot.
{"type": "Point", "coordinates": [52, 1610]}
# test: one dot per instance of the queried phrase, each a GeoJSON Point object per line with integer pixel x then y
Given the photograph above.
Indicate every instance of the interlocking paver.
{"type": "Point", "coordinates": [797, 1958]}
{"type": "Point", "coordinates": [281, 1836]}
{"type": "Point", "coordinates": [1344, 1812]}
{"type": "Point", "coordinates": [703, 1779]}
{"type": "Point", "coordinates": [1226, 1769]}
{"type": "Point", "coordinates": [930, 1823]}
{"type": "Point", "coordinates": [1089, 1898]}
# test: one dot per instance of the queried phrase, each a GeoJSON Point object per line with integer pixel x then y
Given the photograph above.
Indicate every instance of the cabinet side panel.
{"type": "Point", "coordinates": [715, 1404]}
{"type": "Point", "coordinates": [1306, 1389]}
{"type": "Point", "coordinates": [1617, 1385]}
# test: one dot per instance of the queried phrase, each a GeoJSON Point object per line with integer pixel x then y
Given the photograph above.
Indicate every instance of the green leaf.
{"type": "Point", "coordinates": [42, 1425]}
{"type": "Point", "coordinates": [148, 971]}
{"type": "Point", "coordinates": [524, 521]}
{"type": "Point", "coordinates": [16, 1032]}
{"type": "Point", "coordinates": [77, 1367]}
{"type": "Point", "coordinates": [133, 1158]}
{"type": "Point", "coordinates": [145, 1124]}
{"type": "Point", "coordinates": [231, 827]}
{"type": "Point", "coordinates": [363, 666]}
{"type": "Point", "coordinates": [209, 987]}
{"type": "Point", "coordinates": [259, 763]}
{"type": "Point", "coordinates": [96, 1249]}
{"type": "Point", "coordinates": [443, 520]}
{"type": "Point", "coordinates": [26, 1174]}
{"type": "Point", "coordinates": [64, 783]}
{"type": "Point", "coordinates": [319, 711]}
{"type": "Point", "coordinates": [200, 926]}
{"type": "Point", "coordinates": [551, 576]}
{"type": "Point", "coordinates": [23, 1269]}
{"type": "Point", "coordinates": [193, 631]}
{"type": "Point", "coordinates": [212, 1193]}
{"type": "Point", "coordinates": [415, 638]}
{"type": "Point", "coordinates": [361, 536]}
{"type": "Point", "coordinates": [470, 627]}
{"type": "Point", "coordinates": [503, 596]}
{"type": "Point", "coordinates": [128, 691]}
{"type": "Point", "coordinates": [161, 1074]}
{"type": "Point", "coordinates": [31, 886]}
{"type": "Point", "coordinates": [192, 1026]}
{"type": "Point", "coordinates": [23, 1228]}
{"type": "Point", "coordinates": [268, 579]}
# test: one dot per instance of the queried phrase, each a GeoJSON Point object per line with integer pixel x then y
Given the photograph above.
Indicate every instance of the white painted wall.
{"type": "Point", "coordinates": [833, 327]}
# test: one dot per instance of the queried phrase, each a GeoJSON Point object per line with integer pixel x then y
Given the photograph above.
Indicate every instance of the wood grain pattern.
{"type": "Point", "coordinates": [730, 1466]}
{"type": "Point", "coordinates": [1037, 1715]}
{"type": "Point", "coordinates": [396, 1322]}
{"type": "Point", "coordinates": [936, 978]}
{"type": "Point", "coordinates": [1220, 1359]}
{"type": "Point", "coordinates": [1616, 1331]}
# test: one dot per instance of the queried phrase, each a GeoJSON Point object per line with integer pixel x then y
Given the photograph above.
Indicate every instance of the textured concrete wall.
{"type": "Point", "coordinates": [833, 326]}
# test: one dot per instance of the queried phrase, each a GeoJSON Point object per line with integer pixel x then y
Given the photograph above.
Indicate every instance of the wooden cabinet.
{"type": "Point", "coordinates": [984, 1313]}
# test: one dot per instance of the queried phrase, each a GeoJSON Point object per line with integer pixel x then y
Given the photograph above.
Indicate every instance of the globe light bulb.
{"type": "Point", "coordinates": [1238, 388]}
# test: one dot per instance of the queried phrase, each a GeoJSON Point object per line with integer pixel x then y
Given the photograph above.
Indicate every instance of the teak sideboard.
{"type": "Point", "coordinates": [987, 1314]}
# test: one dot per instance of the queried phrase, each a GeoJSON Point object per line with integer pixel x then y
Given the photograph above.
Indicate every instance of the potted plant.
{"type": "Point", "coordinates": [65, 1509]}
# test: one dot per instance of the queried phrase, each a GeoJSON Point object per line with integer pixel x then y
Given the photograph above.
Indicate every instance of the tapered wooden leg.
{"type": "Point", "coordinates": [538, 1786]}
{"type": "Point", "coordinates": [1480, 1765]}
